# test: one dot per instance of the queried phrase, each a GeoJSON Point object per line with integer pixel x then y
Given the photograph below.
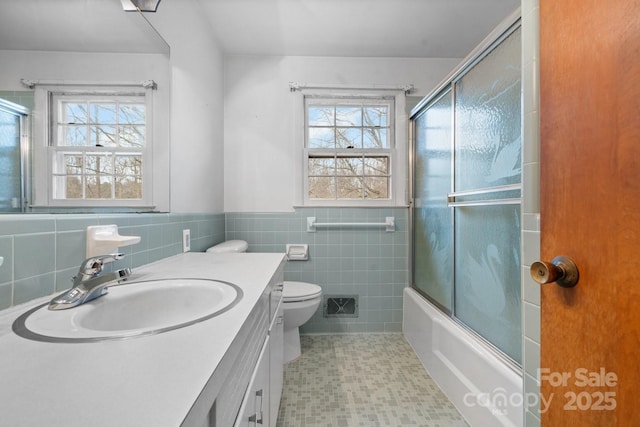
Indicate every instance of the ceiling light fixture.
{"type": "Point", "coordinates": [140, 5]}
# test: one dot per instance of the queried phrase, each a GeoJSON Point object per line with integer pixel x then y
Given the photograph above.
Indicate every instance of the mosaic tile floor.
{"type": "Point", "coordinates": [361, 380]}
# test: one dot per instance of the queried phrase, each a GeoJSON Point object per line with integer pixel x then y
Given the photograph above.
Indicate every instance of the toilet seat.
{"type": "Point", "coordinates": [300, 291]}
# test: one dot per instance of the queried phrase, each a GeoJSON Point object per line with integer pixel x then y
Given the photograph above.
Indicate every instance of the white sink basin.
{"type": "Point", "coordinates": [131, 310]}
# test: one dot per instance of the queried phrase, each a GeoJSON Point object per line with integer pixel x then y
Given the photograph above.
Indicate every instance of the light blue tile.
{"type": "Point", "coordinates": [532, 321]}
{"type": "Point", "coordinates": [531, 288]}
{"type": "Point", "coordinates": [531, 357]}
{"type": "Point", "coordinates": [532, 394]}
{"type": "Point", "coordinates": [27, 224]}
{"type": "Point", "coordinates": [530, 247]}
{"type": "Point", "coordinates": [75, 222]}
{"type": "Point", "coordinates": [25, 246]}
{"type": "Point", "coordinates": [6, 251]}
{"type": "Point", "coordinates": [70, 249]}
{"type": "Point", "coordinates": [6, 295]}
{"type": "Point", "coordinates": [33, 287]}
{"type": "Point", "coordinates": [530, 420]}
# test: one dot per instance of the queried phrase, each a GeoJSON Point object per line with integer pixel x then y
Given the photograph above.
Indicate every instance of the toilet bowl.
{"type": "Point", "coordinates": [300, 301]}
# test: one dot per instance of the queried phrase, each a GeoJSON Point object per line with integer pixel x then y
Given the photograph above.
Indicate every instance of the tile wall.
{"type": "Point", "coordinates": [531, 210]}
{"type": "Point", "coordinates": [368, 262]}
{"type": "Point", "coordinates": [42, 252]}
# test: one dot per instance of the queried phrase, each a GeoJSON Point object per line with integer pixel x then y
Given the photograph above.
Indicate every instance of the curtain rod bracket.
{"type": "Point", "coordinates": [29, 84]}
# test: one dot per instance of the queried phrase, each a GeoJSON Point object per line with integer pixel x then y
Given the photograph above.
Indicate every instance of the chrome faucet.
{"type": "Point", "coordinates": [90, 282]}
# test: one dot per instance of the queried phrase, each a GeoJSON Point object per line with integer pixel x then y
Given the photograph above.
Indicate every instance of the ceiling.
{"type": "Point", "coordinates": [374, 28]}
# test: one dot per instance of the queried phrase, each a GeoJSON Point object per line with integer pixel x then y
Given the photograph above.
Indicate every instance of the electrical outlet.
{"type": "Point", "coordinates": [186, 240]}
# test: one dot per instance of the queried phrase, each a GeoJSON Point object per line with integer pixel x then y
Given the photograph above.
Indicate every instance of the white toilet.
{"type": "Point", "coordinates": [300, 300]}
{"type": "Point", "coordinates": [229, 246]}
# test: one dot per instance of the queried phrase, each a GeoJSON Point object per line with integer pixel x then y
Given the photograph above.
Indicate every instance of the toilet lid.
{"type": "Point", "coordinates": [229, 246]}
{"type": "Point", "coordinates": [300, 291]}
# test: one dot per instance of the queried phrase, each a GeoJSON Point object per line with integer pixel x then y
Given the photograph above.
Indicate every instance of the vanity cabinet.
{"type": "Point", "coordinates": [255, 405]}
{"type": "Point", "coordinates": [276, 362]}
{"type": "Point", "coordinates": [250, 396]}
{"type": "Point", "coordinates": [262, 400]}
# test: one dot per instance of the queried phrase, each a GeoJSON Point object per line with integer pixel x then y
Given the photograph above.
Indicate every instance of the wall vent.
{"type": "Point", "coordinates": [341, 306]}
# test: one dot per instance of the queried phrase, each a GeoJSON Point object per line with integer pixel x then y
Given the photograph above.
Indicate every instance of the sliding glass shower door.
{"type": "Point", "coordinates": [12, 157]}
{"type": "Point", "coordinates": [467, 194]}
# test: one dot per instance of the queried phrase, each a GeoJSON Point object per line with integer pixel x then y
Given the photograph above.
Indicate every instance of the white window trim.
{"type": "Point", "coordinates": [42, 182]}
{"type": "Point", "coordinates": [398, 150]}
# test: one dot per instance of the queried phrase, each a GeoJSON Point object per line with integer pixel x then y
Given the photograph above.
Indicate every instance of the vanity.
{"type": "Point", "coordinates": [225, 370]}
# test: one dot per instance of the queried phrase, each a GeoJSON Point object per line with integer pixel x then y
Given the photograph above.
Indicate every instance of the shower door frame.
{"type": "Point", "coordinates": [448, 85]}
{"type": "Point", "coordinates": [25, 171]}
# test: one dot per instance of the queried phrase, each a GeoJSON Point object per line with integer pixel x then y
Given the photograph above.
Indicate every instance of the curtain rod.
{"type": "Point", "coordinates": [294, 86]}
{"type": "Point", "coordinates": [147, 84]}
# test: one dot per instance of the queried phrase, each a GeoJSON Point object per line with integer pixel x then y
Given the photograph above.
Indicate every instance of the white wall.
{"type": "Point", "coordinates": [196, 107]}
{"type": "Point", "coordinates": [76, 67]}
{"type": "Point", "coordinates": [261, 151]}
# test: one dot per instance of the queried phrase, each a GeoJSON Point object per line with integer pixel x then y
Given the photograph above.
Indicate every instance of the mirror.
{"type": "Point", "coordinates": [68, 41]}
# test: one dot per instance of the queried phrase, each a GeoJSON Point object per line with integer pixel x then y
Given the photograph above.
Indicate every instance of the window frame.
{"type": "Point", "coordinates": [46, 148]}
{"type": "Point", "coordinates": [355, 98]}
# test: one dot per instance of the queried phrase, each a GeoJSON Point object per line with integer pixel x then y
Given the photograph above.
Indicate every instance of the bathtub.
{"type": "Point", "coordinates": [483, 388]}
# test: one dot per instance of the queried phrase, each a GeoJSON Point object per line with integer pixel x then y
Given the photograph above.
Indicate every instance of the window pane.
{"type": "Point", "coordinates": [132, 114]}
{"type": "Point", "coordinates": [71, 185]}
{"type": "Point", "coordinates": [375, 116]}
{"type": "Point", "coordinates": [73, 136]}
{"type": "Point", "coordinates": [350, 166]}
{"type": "Point", "coordinates": [98, 164]}
{"type": "Point", "coordinates": [103, 113]}
{"type": "Point", "coordinates": [321, 138]}
{"type": "Point", "coordinates": [348, 116]}
{"type": "Point", "coordinates": [348, 138]}
{"type": "Point", "coordinates": [73, 164]}
{"type": "Point", "coordinates": [99, 187]}
{"type": "Point", "coordinates": [349, 188]}
{"type": "Point", "coordinates": [322, 165]}
{"type": "Point", "coordinates": [376, 166]}
{"type": "Point", "coordinates": [73, 112]}
{"type": "Point", "coordinates": [103, 136]}
{"type": "Point", "coordinates": [132, 136]}
{"type": "Point", "coordinates": [320, 116]}
{"type": "Point", "coordinates": [376, 188]}
{"type": "Point", "coordinates": [322, 188]}
{"type": "Point", "coordinates": [129, 165]}
{"type": "Point", "coordinates": [128, 187]}
{"type": "Point", "coordinates": [375, 138]}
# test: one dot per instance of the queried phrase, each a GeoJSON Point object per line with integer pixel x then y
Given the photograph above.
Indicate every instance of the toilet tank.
{"type": "Point", "coordinates": [229, 246]}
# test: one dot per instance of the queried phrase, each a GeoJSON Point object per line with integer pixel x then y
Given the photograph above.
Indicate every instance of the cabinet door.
{"type": "Point", "coordinates": [255, 405]}
{"type": "Point", "coordinates": [276, 373]}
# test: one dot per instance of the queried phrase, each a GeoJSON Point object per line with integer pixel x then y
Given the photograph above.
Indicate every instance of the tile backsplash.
{"type": "Point", "coordinates": [42, 252]}
{"type": "Point", "coordinates": [368, 262]}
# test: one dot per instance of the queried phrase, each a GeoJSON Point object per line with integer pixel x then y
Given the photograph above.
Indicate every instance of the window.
{"type": "Point", "coordinates": [348, 149]}
{"type": "Point", "coordinates": [98, 148]}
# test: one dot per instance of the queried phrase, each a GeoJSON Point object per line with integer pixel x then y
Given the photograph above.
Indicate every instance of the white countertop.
{"type": "Point", "coordinates": [148, 381]}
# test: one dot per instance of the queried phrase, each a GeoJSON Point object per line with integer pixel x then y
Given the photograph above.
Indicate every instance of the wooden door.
{"type": "Point", "coordinates": [590, 210]}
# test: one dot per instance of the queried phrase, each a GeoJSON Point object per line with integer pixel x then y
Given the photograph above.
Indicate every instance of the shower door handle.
{"type": "Point", "coordinates": [561, 270]}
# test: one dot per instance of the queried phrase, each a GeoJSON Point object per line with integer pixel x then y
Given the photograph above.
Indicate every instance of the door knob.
{"type": "Point", "coordinates": [561, 270]}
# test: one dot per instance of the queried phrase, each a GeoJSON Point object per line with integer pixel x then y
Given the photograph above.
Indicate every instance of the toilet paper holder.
{"type": "Point", "coordinates": [297, 252]}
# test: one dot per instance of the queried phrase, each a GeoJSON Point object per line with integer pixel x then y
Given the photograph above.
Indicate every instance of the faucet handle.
{"type": "Point", "coordinates": [93, 266]}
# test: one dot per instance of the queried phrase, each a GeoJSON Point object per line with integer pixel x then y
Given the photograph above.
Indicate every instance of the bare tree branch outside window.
{"type": "Point", "coordinates": [349, 157]}
{"type": "Point", "coordinates": [104, 138]}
